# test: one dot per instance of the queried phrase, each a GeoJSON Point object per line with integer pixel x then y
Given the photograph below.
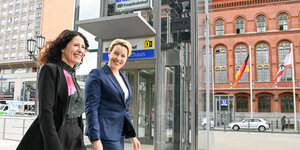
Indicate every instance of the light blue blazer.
{"type": "Point", "coordinates": [107, 113]}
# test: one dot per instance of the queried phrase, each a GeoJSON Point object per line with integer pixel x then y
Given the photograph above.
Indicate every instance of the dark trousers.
{"type": "Point", "coordinates": [282, 127]}
{"type": "Point", "coordinates": [113, 145]}
{"type": "Point", "coordinates": [72, 138]}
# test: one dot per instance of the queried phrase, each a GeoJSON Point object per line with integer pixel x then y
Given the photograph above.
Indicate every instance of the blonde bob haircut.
{"type": "Point", "coordinates": [121, 42]}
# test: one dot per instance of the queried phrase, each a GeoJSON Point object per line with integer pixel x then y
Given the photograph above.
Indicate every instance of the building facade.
{"type": "Point", "coordinates": [269, 27]}
{"type": "Point", "coordinates": [22, 20]}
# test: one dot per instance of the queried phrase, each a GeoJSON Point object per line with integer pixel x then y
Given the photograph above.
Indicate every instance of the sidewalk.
{"type": "Point", "coordinates": [127, 146]}
{"type": "Point", "coordinates": [12, 145]}
{"type": "Point", "coordinates": [8, 144]}
{"type": "Point", "coordinates": [220, 140]}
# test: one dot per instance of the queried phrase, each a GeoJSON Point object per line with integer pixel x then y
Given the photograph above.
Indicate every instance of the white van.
{"type": "Point", "coordinates": [3, 109]}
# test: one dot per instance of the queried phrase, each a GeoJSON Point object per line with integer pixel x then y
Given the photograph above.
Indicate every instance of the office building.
{"type": "Point", "coordinates": [22, 20]}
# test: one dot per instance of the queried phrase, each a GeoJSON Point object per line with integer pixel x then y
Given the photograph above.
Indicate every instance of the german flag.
{"type": "Point", "coordinates": [244, 68]}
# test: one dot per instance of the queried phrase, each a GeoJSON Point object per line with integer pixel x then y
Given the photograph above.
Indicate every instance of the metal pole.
{"type": "Point", "coordinates": [103, 8]}
{"type": "Point", "coordinates": [76, 15]}
{"type": "Point", "coordinates": [194, 75]}
{"type": "Point", "coordinates": [159, 73]}
{"type": "Point", "coordinates": [294, 91]}
{"type": "Point", "coordinates": [207, 49]}
{"type": "Point", "coordinates": [250, 69]}
{"type": "Point", "coordinates": [36, 109]}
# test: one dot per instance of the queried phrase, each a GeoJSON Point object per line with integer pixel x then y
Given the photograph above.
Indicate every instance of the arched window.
{"type": "Point", "coordinates": [240, 25]}
{"type": "Point", "coordinates": [219, 27]}
{"type": "Point", "coordinates": [287, 104]}
{"type": "Point", "coordinates": [266, 73]}
{"type": "Point", "coordinates": [264, 104]}
{"type": "Point", "coordinates": [242, 104]}
{"type": "Point", "coordinates": [261, 23]}
{"type": "Point", "coordinates": [283, 49]}
{"type": "Point", "coordinates": [220, 64]}
{"type": "Point", "coordinates": [259, 74]}
{"type": "Point", "coordinates": [240, 56]}
{"type": "Point", "coordinates": [218, 75]}
{"type": "Point", "coordinates": [223, 75]}
{"type": "Point", "coordinates": [262, 62]}
{"type": "Point", "coordinates": [283, 21]}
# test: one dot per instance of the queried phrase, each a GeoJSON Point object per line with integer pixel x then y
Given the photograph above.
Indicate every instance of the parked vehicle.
{"type": "Point", "coordinates": [254, 124]}
{"type": "Point", "coordinates": [3, 109]}
{"type": "Point", "coordinates": [204, 122]}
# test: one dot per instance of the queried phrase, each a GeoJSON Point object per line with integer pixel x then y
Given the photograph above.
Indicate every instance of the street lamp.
{"type": "Point", "coordinates": [32, 46]}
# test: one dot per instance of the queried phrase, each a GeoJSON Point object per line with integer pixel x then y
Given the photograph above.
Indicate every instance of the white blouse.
{"type": "Point", "coordinates": [123, 86]}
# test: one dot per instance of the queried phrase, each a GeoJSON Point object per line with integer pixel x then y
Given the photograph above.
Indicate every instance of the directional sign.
{"type": "Point", "coordinates": [141, 48]}
{"type": "Point", "coordinates": [126, 5]}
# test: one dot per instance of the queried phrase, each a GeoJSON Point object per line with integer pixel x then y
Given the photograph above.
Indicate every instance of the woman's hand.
{"type": "Point", "coordinates": [97, 145]}
{"type": "Point", "coordinates": [135, 143]}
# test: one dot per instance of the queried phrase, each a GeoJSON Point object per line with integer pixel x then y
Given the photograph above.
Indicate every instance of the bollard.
{"type": "Point", "coordinates": [298, 126]}
{"type": "Point", "coordinates": [276, 124]}
{"type": "Point", "coordinates": [4, 122]}
{"type": "Point", "coordinates": [248, 125]}
{"type": "Point", "coordinates": [272, 126]}
{"type": "Point", "coordinates": [289, 124]}
{"type": "Point", "coordinates": [225, 125]}
{"type": "Point", "coordinates": [23, 132]}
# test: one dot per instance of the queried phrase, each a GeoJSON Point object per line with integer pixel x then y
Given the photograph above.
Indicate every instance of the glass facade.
{"type": "Point", "coordinates": [199, 47]}
{"type": "Point", "coordinates": [28, 92]}
{"type": "Point", "coordinates": [7, 90]}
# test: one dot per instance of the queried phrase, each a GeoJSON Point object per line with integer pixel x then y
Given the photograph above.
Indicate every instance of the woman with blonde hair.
{"type": "Point", "coordinates": [108, 94]}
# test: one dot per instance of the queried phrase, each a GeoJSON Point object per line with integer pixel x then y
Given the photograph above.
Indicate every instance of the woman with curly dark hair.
{"type": "Point", "coordinates": [59, 124]}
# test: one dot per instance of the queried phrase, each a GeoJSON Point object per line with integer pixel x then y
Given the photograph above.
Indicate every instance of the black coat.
{"type": "Point", "coordinates": [46, 130]}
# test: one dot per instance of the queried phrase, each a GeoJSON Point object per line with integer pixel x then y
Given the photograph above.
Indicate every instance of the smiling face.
{"type": "Point", "coordinates": [74, 52]}
{"type": "Point", "coordinates": [117, 57]}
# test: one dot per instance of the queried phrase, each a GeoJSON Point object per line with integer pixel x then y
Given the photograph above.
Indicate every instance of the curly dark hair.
{"type": "Point", "coordinates": [52, 52]}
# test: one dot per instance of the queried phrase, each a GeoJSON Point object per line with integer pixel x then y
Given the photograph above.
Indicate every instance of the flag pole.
{"type": "Point", "coordinates": [250, 70]}
{"type": "Point", "coordinates": [294, 91]}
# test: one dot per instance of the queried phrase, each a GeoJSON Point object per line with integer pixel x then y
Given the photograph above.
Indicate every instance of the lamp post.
{"type": "Point", "coordinates": [32, 46]}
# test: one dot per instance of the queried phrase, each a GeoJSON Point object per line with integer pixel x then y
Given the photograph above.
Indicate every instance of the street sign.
{"type": "Point", "coordinates": [3, 78]}
{"type": "Point", "coordinates": [132, 5]}
{"type": "Point", "coordinates": [224, 102]}
{"type": "Point", "coordinates": [141, 48]}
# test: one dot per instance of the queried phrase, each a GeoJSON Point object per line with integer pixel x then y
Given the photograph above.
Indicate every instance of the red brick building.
{"type": "Point", "coordinates": [268, 26]}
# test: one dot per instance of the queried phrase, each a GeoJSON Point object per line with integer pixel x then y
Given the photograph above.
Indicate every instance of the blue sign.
{"type": "Point", "coordinates": [3, 78]}
{"type": "Point", "coordinates": [224, 102]}
{"type": "Point", "coordinates": [135, 54]}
